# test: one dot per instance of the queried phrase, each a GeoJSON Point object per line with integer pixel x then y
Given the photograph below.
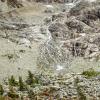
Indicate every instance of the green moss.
{"type": "Point", "coordinates": [90, 73]}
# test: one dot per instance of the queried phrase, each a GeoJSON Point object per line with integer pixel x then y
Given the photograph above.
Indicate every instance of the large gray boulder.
{"type": "Point", "coordinates": [59, 31]}
{"type": "Point", "coordinates": [78, 26]}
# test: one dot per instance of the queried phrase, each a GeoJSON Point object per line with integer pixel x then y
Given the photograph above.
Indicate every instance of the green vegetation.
{"type": "Point", "coordinates": [90, 73]}
{"type": "Point", "coordinates": [31, 79]}
{"type": "Point", "coordinates": [12, 93]}
{"type": "Point", "coordinates": [31, 95]}
{"type": "Point", "coordinates": [22, 86]}
{"type": "Point", "coordinates": [2, 98]}
{"type": "Point", "coordinates": [1, 90]}
{"type": "Point", "coordinates": [33, 82]}
{"type": "Point", "coordinates": [11, 56]}
{"type": "Point", "coordinates": [12, 81]}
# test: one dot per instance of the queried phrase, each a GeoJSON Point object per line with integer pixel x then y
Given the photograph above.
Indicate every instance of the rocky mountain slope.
{"type": "Point", "coordinates": [73, 34]}
{"type": "Point", "coordinates": [55, 35]}
{"type": "Point", "coordinates": [58, 42]}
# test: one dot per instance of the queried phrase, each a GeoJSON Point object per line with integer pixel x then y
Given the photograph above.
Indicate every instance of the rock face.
{"type": "Point", "coordinates": [73, 35]}
{"type": "Point", "coordinates": [59, 31]}
{"type": "Point", "coordinates": [12, 3]}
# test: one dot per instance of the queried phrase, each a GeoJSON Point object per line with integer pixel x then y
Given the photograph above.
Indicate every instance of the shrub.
{"type": "Point", "coordinates": [31, 95]}
{"type": "Point", "coordinates": [90, 73]}
{"type": "Point", "coordinates": [1, 90]}
{"type": "Point", "coordinates": [12, 94]}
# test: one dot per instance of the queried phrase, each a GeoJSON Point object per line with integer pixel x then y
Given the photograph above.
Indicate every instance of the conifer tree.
{"type": "Point", "coordinates": [22, 86]}
{"type": "Point", "coordinates": [12, 81]}
{"type": "Point", "coordinates": [1, 90]}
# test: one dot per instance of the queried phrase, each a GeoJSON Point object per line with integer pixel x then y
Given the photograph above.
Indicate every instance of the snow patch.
{"type": "Point", "coordinates": [91, 0]}
{"type": "Point", "coordinates": [59, 67]}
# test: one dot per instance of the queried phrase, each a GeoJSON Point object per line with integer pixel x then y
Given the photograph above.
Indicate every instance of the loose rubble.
{"type": "Point", "coordinates": [62, 37]}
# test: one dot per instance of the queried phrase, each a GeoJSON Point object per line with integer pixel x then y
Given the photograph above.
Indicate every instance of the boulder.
{"type": "Point", "coordinates": [15, 3]}
{"type": "Point", "coordinates": [59, 31]}
{"type": "Point", "coordinates": [77, 25]}
{"type": "Point", "coordinates": [76, 10]}
{"type": "Point", "coordinates": [95, 39]}
{"type": "Point", "coordinates": [49, 9]}
{"type": "Point", "coordinates": [77, 48]}
{"type": "Point", "coordinates": [58, 17]}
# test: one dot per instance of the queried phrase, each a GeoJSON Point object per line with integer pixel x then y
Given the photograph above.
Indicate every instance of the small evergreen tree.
{"type": "Point", "coordinates": [1, 90]}
{"type": "Point", "coordinates": [12, 81]}
{"type": "Point", "coordinates": [31, 80]}
{"type": "Point", "coordinates": [22, 86]}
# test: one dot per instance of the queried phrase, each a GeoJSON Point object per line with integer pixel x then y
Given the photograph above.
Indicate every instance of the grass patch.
{"type": "Point", "coordinates": [90, 73]}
